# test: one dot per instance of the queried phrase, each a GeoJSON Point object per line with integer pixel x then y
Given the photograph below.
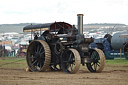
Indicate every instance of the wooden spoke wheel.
{"type": "Point", "coordinates": [38, 56]}
{"type": "Point", "coordinates": [97, 59]}
{"type": "Point", "coordinates": [71, 61]}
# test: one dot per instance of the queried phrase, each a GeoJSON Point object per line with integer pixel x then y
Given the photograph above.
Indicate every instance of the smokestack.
{"type": "Point", "coordinates": [80, 23]}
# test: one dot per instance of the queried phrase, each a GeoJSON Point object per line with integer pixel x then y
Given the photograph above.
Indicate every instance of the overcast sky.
{"type": "Point", "coordinates": [46, 11]}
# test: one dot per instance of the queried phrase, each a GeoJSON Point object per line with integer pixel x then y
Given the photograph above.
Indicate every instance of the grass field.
{"type": "Point", "coordinates": [117, 61]}
{"type": "Point", "coordinates": [13, 62]}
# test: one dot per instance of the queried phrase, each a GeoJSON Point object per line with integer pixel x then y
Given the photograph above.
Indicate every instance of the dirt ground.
{"type": "Point", "coordinates": [111, 75]}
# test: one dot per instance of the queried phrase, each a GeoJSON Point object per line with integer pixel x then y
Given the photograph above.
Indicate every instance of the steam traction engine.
{"type": "Point", "coordinates": [60, 46]}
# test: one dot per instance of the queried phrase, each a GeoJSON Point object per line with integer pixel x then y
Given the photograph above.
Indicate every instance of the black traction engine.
{"type": "Point", "coordinates": [61, 46]}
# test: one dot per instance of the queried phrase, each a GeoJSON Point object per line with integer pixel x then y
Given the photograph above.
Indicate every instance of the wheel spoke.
{"type": "Point", "coordinates": [71, 67]}
{"type": "Point", "coordinates": [42, 58]}
{"type": "Point", "coordinates": [40, 65]}
{"type": "Point", "coordinates": [42, 52]}
{"type": "Point", "coordinates": [95, 66]}
{"type": "Point", "coordinates": [98, 63]}
{"type": "Point", "coordinates": [40, 49]}
{"type": "Point", "coordinates": [97, 55]}
{"type": "Point", "coordinates": [37, 63]}
{"type": "Point", "coordinates": [31, 57]}
{"type": "Point", "coordinates": [70, 57]}
{"type": "Point", "coordinates": [37, 48]}
{"type": "Point", "coordinates": [92, 64]}
{"type": "Point", "coordinates": [92, 55]}
{"type": "Point", "coordinates": [34, 62]}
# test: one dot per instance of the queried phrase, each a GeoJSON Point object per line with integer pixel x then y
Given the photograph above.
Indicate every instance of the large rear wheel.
{"type": "Point", "coordinates": [71, 61]}
{"type": "Point", "coordinates": [38, 56]}
{"type": "Point", "coordinates": [97, 61]}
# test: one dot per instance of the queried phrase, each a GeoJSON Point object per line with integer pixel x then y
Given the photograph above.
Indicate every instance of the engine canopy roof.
{"type": "Point", "coordinates": [52, 27]}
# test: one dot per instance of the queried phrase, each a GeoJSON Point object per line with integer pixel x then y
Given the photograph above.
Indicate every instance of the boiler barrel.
{"type": "Point", "coordinates": [119, 40]}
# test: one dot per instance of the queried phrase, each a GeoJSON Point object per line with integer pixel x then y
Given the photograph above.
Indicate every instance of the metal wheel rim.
{"type": "Point", "coordinates": [38, 56]}
{"type": "Point", "coordinates": [71, 62]}
{"type": "Point", "coordinates": [98, 61]}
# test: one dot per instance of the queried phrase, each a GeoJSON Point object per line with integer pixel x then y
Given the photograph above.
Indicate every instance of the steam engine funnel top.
{"type": "Point", "coordinates": [80, 23]}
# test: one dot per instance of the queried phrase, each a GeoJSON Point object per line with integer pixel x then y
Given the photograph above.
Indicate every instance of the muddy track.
{"type": "Point", "coordinates": [111, 75]}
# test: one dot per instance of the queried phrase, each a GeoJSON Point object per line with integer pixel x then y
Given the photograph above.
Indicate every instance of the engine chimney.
{"type": "Point", "coordinates": [80, 23]}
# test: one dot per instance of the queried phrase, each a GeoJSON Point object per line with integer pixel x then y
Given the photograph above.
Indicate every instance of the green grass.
{"type": "Point", "coordinates": [12, 62]}
{"type": "Point", "coordinates": [117, 61]}
{"type": "Point", "coordinates": [20, 63]}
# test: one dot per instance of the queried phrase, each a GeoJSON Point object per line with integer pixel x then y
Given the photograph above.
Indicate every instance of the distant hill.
{"type": "Point", "coordinates": [106, 24]}
{"type": "Point", "coordinates": [19, 27]}
{"type": "Point", "coordinates": [13, 27]}
{"type": "Point", "coordinates": [103, 25]}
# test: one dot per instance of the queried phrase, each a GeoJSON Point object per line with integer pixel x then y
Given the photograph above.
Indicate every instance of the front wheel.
{"type": "Point", "coordinates": [97, 61]}
{"type": "Point", "coordinates": [71, 61]}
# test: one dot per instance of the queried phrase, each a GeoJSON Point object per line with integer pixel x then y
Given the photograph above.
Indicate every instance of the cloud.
{"type": "Point", "coordinates": [43, 11]}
